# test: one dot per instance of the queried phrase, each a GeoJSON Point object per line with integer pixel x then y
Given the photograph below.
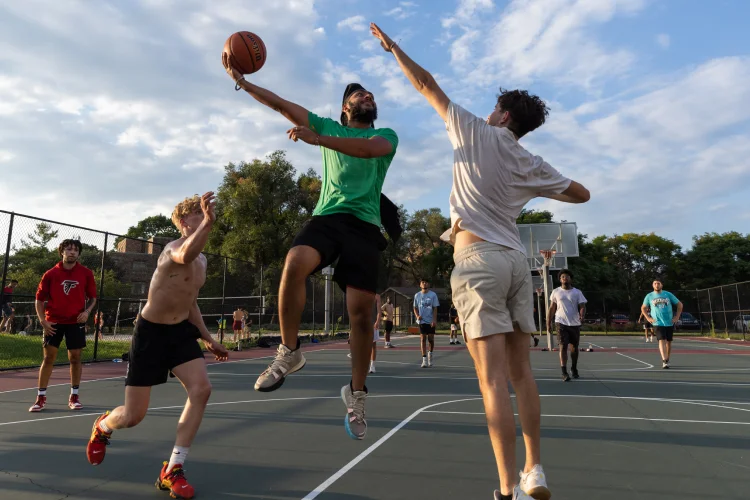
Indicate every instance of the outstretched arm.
{"type": "Point", "coordinates": [191, 248]}
{"type": "Point", "coordinates": [291, 111]}
{"type": "Point", "coordinates": [422, 80]}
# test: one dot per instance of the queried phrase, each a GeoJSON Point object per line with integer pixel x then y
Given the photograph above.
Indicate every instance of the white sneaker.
{"type": "Point", "coordinates": [518, 494]}
{"type": "Point", "coordinates": [424, 362]}
{"type": "Point", "coordinates": [429, 359]}
{"type": "Point", "coordinates": [534, 484]}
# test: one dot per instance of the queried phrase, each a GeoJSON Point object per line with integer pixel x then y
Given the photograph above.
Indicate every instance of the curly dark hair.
{"type": "Point", "coordinates": [66, 243]}
{"type": "Point", "coordinates": [527, 112]}
{"type": "Point", "coordinates": [565, 271]}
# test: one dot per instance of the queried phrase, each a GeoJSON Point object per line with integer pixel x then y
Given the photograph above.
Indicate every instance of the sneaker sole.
{"type": "Point", "coordinates": [35, 410]}
{"type": "Point", "coordinates": [346, 419]}
{"type": "Point", "coordinates": [540, 493]}
{"type": "Point", "coordinates": [280, 382]}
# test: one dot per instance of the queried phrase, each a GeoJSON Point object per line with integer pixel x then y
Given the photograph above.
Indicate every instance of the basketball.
{"type": "Point", "coordinates": [246, 52]}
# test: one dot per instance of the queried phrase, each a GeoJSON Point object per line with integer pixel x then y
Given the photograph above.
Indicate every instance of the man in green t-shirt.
{"type": "Point", "coordinates": [344, 230]}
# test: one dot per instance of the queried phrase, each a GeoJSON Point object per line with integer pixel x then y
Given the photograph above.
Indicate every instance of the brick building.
{"type": "Point", "coordinates": [135, 262]}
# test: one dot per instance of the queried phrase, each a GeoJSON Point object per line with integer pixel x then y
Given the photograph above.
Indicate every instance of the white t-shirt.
{"type": "Point", "coordinates": [568, 305]}
{"type": "Point", "coordinates": [494, 177]}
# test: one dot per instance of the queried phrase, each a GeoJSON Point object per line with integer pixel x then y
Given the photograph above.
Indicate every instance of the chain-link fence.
{"type": "Point", "coordinates": [123, 268]}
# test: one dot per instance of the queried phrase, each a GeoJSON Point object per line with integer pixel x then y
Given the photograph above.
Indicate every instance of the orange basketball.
{"type": "Point", "coordinates": [246, 51]}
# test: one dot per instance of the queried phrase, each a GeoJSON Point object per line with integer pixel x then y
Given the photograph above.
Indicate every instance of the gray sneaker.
{"type": "Point", "coordinates": [285, 363]}
{"type": "Point", "coordinates": [354, 422]}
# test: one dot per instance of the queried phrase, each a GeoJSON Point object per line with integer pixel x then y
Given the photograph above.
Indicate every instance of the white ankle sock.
{"type": "Point", "coordinates": [74, 390]}
{"type": "Point", "coordinates": [179, 454]}
{"type": "Point", "coordinates": [103, 426]}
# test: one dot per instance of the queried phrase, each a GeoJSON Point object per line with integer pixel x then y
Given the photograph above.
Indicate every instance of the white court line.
{"type": "Point", "coordinates": [448, 377]}
{"type": "Point", "coordinates": [250, 401]}
{"type": "Point", "coordinates": [647, 364]}
{"type": "Point", "coordinates": [123, 376]}
{"type": "Point", "coordinates": [603, 418]}
{"type": "Point", "coordinates": [335, 477]}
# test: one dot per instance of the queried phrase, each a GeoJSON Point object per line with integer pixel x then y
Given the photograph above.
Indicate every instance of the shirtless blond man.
{"type": "Point", "coordinates": [165, 339]}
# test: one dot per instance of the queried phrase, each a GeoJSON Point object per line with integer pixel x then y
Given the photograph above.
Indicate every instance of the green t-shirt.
{"type": "Point", "coordinates": [352, 185]}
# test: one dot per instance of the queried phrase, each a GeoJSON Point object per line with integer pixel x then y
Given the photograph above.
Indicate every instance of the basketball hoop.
{"type": "Point", "coordinates": [548, 255]}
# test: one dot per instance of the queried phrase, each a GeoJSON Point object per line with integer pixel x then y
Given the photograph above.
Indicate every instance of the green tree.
{"type": "Point", "coordinates": [425, 254]}
{"type": "Point", "coordinates": [637, 259]}
{"type": "Point", "coordinates": [531, 216]}
{"type": "Point", "coordinates": [716, 259]}
{"type": "Point", "coordinates": [155, 225]}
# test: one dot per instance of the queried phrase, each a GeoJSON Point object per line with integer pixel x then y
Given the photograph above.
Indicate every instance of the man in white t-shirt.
{"type": "Point", "coordinates": [493, 179]}
{"type": "Point", "coordinates": [568, 307]}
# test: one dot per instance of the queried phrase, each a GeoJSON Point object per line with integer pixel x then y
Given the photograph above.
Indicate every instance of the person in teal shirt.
{"type": "Point", "coordinates": [658, 309]}
{"type": "Point", "coordinates": [344, 230]}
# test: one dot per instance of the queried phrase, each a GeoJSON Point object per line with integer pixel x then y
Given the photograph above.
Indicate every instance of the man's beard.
{"type": "Point", "coordinates": [567, 286]}
{"type": "Point", "coordinates": [363, 115]}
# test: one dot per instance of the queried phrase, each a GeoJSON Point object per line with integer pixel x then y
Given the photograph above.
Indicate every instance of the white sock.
{"type": "Point", "coordinates": [103, 426]}
{"type": "Point", "coordinates": [179, 454]}
{"type": "Point", "coordinates": [74, 390]}
{"type": "Point", "coordinates": [41, 392]}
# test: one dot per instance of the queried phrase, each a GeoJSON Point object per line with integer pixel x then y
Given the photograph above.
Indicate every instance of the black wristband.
{"type": "Point", "coordinates": [237, 83]}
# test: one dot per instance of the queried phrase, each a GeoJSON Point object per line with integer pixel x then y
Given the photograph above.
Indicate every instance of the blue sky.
{"type": "Point", "coordinates": [113, 111]}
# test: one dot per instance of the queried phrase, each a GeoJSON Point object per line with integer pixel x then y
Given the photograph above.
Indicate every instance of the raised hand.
{"type": "Point", "coordinates": [385, 40]}
{"type": "Point", "coordinates": [208, 206]}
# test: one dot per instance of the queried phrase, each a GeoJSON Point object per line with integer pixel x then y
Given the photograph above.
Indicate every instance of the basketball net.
{"type": "Point", "coordinates": [549, 256]}
{"type": "Point", "coordinates": [540, 291]}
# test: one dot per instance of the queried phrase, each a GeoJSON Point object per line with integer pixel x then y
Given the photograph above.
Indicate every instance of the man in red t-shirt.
{"type": "Point", "coordinates": [69, 291]}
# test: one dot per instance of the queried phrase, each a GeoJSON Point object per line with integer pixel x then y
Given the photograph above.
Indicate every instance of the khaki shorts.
{"type": "Point", "coordinates": [492, 290]}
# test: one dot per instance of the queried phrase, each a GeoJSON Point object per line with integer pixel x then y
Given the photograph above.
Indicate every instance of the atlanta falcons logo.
{"type": "Point", "coordinates": [68, 285]}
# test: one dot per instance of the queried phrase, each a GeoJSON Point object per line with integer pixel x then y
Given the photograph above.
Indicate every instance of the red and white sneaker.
{"type": "Point", "coordinates": [74, 403]}
{"type": "Point", "coordinates": [97, 446]}
{"type": "Point", "coordinates": [39, 404]}
{"type": "Point", "coordinates": [174, 481]}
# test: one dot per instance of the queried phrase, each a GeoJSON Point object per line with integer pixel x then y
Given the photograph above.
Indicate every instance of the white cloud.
{"type": "Point", "coordinates": [403, 11]}
{"type": "Point", "coordinates": [355, 23]}
{"type": "Point", "coordinates": [534, 39]}
{"type": "Point", "coordinates": [656, 144]}
{"type": "Point", "coordinates": [663, 40]}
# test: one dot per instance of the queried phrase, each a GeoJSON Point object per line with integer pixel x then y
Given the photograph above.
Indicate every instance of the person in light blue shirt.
{"type": "Point", "coordinates": [658, 308]}
{"type": "Point", "coordinates": [425, 309]}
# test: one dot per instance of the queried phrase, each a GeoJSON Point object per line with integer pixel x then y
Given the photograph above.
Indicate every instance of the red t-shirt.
{"type": "Point", "coordinates": [66, 292]}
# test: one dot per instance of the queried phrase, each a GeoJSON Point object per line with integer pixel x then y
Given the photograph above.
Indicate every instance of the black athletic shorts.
{"type": "Point", "coordinates": [664, 333]}
{"type": "Point", "coordinates": [75, 336]}
{"type": "Point", "coordinates": [568, 334]}
{"type": "Point", "coordinates": [348, 243]}
{"type": "Point", "coordinates": [647, 325]}
{"type": "Point", "coordinates": [156, 349]}
{"type": "Point", "coordinates": [426, 329]}
{"type": "Point", "coordinates": [388, 326]}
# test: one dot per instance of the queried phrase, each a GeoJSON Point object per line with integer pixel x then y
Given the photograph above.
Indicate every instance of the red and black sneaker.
{"type": "Point", "coordinates": [97, 446]}
{"type": "Point", "coordinates": [39, 404]}
{"type": "Point", "coordinates": [174, 481]}
{"type": "Point", "coordinates": [74, 403]}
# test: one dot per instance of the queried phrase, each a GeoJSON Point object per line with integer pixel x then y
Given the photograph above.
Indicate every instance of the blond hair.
{"type": "Point", "coordinates": [185, 208]}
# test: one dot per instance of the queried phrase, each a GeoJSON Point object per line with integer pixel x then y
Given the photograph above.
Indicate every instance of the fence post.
{"type": "Point", "coordinates": [223, 295]}
{"type": "Point", "coordinates": [101, 296]}
{"type": "Point", "coordinates": [312, 280]}
{"type": "Point", "coordinates": [700, 316]}
{"type": "Point", "coordinates": [724, 307]}
{"type": "Point", "coordinates": [742, 314]}
{"type": "Point", "coordinates": [262, 308]}
{"type": "Point", "coordinates": [7, 257]}
{"type": "Point", "coordinates": [604, 309]}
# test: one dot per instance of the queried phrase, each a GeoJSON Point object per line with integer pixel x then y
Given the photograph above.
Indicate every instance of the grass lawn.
{"type": "Point", "coordinates": [20, 351]}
